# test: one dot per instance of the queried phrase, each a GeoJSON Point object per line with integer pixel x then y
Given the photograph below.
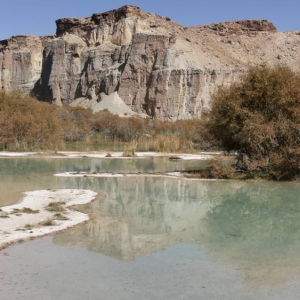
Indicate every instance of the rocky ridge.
{"type": "Point", "coordinates": [156, 66]}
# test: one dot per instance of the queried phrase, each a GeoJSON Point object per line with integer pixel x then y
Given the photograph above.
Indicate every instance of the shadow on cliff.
{"type": "Point", "coordinates": [42, 90]}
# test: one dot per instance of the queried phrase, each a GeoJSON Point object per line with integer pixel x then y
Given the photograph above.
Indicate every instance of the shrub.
{"type": "Point", "coordinates": [259, 117]}
{"type": "Point", "coordinates": [27, 123]}
{"type": "Point", "coordinates": [48, 222]}
{"type": "Point", "coordinates": [76, 122]}
{"type": "Point", "coordinates": [124, 129]}
{"type": "Point", "coordinates": [214, 170]}
{"type": "Point", "coordinates": [153, 134]}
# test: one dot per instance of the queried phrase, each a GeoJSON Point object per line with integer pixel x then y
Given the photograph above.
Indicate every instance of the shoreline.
{"type": "Point", "coordinates": [30, 218]}
{"type": "Point", "coordinates": [114, 154]}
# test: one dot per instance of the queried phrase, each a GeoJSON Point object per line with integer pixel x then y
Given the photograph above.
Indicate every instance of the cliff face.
{"type": "Point", "coordinates": [157, 66]}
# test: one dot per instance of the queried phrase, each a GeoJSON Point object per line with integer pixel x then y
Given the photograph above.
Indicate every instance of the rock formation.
{"type": "Point", "coordinates": [157, 66]}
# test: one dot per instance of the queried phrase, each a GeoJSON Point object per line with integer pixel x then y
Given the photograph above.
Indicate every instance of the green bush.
{"type": "Point", "coordinates": [259, 117]}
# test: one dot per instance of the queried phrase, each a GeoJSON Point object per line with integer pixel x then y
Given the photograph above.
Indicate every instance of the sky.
{"type": "Point", "coordinates": [37, 17]}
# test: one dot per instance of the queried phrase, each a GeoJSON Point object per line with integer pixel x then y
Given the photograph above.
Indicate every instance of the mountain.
{"type": "Point", "coordinates": [156, 66]}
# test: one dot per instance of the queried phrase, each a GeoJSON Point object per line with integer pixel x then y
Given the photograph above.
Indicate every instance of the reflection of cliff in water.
{"type": "Point", "coordinates": [252, 225]}
{"type": "Point", "coordinates": [30, 173]}
{"type": "Point", "coordinates": [142, 215]}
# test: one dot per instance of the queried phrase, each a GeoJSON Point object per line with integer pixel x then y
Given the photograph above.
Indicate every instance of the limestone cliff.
{"type": "Point", "coordinates": [157, 66]}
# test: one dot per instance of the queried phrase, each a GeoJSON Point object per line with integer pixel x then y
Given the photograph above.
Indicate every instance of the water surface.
{"type": "Point", "coordinates": [28, 173]}
{"type": "Point", "coordinates": [157, 237]}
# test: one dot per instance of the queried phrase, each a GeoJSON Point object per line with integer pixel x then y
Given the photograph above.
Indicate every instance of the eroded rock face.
{"type": "Point", "coordinates": [157, 66]}
{"type": "Point", "coordinates": [241, 27]}
{"type": "Point", "coordinates": [21, 62]}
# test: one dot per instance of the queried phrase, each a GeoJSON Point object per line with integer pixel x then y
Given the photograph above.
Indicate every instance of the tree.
{"type": "Point", "coordinates": [259, 118]}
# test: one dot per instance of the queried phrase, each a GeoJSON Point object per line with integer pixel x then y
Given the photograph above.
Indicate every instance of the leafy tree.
{"type": "Point", "coordinates": [259, 117]}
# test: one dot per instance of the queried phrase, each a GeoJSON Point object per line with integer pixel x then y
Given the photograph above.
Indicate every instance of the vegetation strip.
{"type": "Point", "coordinates": [30, 125]}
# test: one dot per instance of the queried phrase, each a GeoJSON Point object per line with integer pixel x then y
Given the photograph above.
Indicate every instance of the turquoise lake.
{"type": "Point", "coordinates": [155, 237]}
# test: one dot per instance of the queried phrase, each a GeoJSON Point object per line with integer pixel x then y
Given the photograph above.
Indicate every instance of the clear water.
{"type": "Point", "coordinates": [22, 174]}
{"type": "Point", "coordinates": [156, 237]}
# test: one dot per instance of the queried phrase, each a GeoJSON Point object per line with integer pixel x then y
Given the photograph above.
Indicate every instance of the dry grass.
{"type": "Point", "coordinates": [60, 217]}
{"type": "Point", "coordinates": [166, 143]}
{"type": "Point", "coordinates": [56, 207]}
{"type": "Point", "coordinates": [4, 216]}
{"type": "Point", "coordinates": [48, 222]}
{"type": "Point", "coordinates": [25, 210]}
{"type": "Point", "coordinates": [129, 150]}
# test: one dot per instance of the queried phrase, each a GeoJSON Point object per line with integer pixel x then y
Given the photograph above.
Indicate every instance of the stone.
{"type": "Point", "coordinates": [155, 65]}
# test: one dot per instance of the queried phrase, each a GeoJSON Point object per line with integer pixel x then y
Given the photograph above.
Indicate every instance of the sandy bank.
{"type": "Point", "coordinates": [185, 156]}
{"type": "Point", "coordinates": [105, 175]}
{"type": "Point", "coordinates": [103, 154]}
{"type": "Point", "coordinates": [27, 219]}
{"type": "Point", "coordinates": [15, 154]}
{"type": "Point", "coordinates": [177, 175]}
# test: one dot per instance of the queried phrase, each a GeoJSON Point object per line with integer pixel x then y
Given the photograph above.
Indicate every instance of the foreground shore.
{"type": "Point", "coordinates": [33, 216]}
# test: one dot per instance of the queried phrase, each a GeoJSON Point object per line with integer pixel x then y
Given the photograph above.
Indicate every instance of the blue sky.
{"type": "Point", "coordinates": [37, 17]}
